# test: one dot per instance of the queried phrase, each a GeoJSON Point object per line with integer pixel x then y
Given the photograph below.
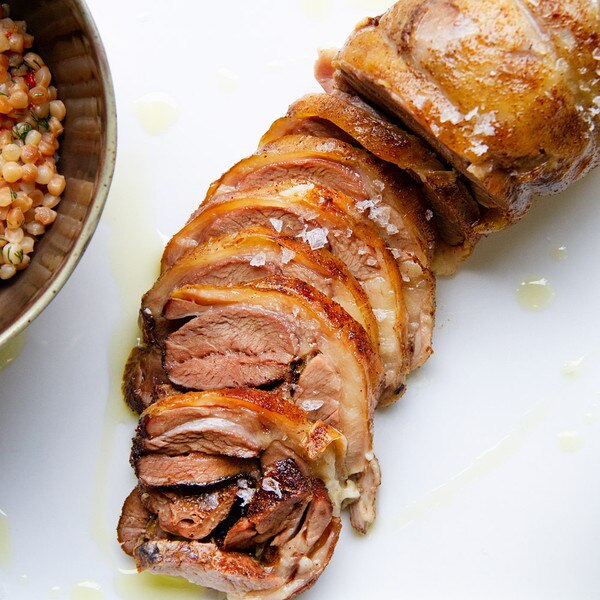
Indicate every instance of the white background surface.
{"type": "Point", "coordinates": [478, 499]}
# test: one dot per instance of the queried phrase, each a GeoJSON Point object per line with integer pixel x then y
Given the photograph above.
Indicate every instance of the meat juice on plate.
{"type": "Point", "coordinates": [5, 545]}
{"type": "Point", "coordinates": [535, 293]}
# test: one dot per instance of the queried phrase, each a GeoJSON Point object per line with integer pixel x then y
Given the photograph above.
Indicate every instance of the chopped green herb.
{"type": "Point", "coordinates": [19, 255]}
{"type": "Point", "coordinates": [13, 194]}
{"type": "Point", "coordinates": [20, 131]}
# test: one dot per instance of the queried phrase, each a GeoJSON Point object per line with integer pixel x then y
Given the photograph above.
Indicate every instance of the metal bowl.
{"type": "Point", "coordinates": [69, 43]}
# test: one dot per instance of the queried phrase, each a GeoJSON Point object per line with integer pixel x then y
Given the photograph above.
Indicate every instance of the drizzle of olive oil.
{"type": "Point", "coordinates": [316, 10]}
{"type": "Point", "coordinates": [11, 350]}
{"type": "Point", "coordinates": [559, 253]}
{"type": "Point", "coordinates": [482, 465]}
{"type": "Point", "coordinates": [228, 80]}
{"type": "Point", "coordinates": [570, 441]}
{"type": "Point", "coordinates": [535, 293]}
{"type": "Point", "coordinates": [131, 585]}
{"type": "Point", "coordinates": [86, 590]}
{"type": "Point", "coordinates": [5, 545]}
{"type": "Point", "coordinates": [135, 247]}
{"type": "Point", "coordinates": [572, 368]}
{"type": "Point", "coordinates": [156, 112]}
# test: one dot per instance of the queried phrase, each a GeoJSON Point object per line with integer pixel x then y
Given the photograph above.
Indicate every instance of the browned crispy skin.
{"type": "Point", "coordinates": [454, 211]}
{"type": "Point", "coordinates": [503, 89]}
{"type": "Point", "coordinates": [279, 511]}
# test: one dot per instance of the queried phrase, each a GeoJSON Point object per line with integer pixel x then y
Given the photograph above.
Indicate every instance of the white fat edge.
{"type": "Point", "coordinates": [258, 260]}
{"type": "Point", "coordinates": [297, 190]}
{"type": "Point", "coordinates": [419, 101]}
{"type": "Point", "coordinates": [277, 224]}
{"type": "Point", "coordinates": [271, 485]}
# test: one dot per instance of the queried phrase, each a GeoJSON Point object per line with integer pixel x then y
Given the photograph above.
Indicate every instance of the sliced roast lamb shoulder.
{"type": "Point", "coordinates": [249, 255]}
{"type": "Point", "coordinates": [283, 330]}
{"type": "Point", "coordinates": [450, 206]}
{"type": "Point", "coordinates": [320, 216]}
{"type": "Point", "coordinates": [265, 532]}
{"type": "Point", "coordinates": [489, 117]}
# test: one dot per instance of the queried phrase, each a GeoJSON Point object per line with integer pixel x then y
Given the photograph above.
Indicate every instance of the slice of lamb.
{"type": "Point", "coordinates": [194, 468]}
{"type": "Point", "coordinates": [318, 327]}
{"type": "Point", "coordinates": [144, 379]}
{"type": "Point", "coordinates": [341, 115]}
{"type": "Point", "coordinates": [319, 216]}
{"type": "Point", "coordinates": [133, 522]}
{"type": "Point", "coordinates": [374, 192]}
{"type": "Point", "coordinates": [295, 553]}
{"type": "Point", "coordinates": [454, 72]}
{"type": "Point", "coordinates": [252, 254]}
{"type": "Point", "coordinates": [192, 516]}
{"type": "Point", "coordinates": [276, 508]}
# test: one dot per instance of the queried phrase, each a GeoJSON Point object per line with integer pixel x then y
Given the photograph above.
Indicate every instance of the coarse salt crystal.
{"type": "Point", "coordinates": [211, 501]}
{"type": "Point", "coordinates": [287, 255]}
{"type": "Point", "coordinates": [382, 314]}
{"type": "Point", "coordinates": [380, 215]}
{"type": "Point", "coordinates": [472, 114]}
{"type": "Point", "coordinates": [277, 224]}
{"type": "Point", "coordinates": [297, 190]}
{"type": "Point", "coordinates": [259, 260]}
{"type": "Point", "coordinates": [419, 101]}
{"type": "Point", "coordinates": [596, 53]}
{"type": "Point", "coordinates": [378, 185]}
{"type": "Point", "coordinates": [245, 492]}
{"type": "Point", "coordinates": [364, 205]}
{"type": "Point", "coordinates": [362, 251]}
{"type": "Point", "coordinates": [479, 148]}
{"type": "Point", "coordinates": [392, 229]}
{"type": "Point", "coordinates": [396, 253]}
{"type": "Point", "coordinates": [316, 238]}
{"type": "Point", "coordinates": [271, 485]}
{"type": "Point", "coordinates": [485, 124]}
{"type": "Point", "coordinates": [450, 113]}
{"type": "Point", "coordinates": [371, 262]}
{"type": "Point", "coordinates": [310, 405]}
{"type": "Point", "coordinates": [428, 215]}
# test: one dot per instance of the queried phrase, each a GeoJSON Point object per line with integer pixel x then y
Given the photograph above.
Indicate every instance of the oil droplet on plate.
{"type": "Point", "coordinates": [156, 112]}
{"type": "Point", "coordinates": [590, 418]}
{"type": "Point", "coordinates": [572, 368]}
{"type": "Point", "coordinates": [228, 80]}
{"type": "Point", "coordinates": [131, 585]}
{"type": "Point", "coordinates": [559, 253]}
{"type": "Point", "coordinates": [5, 553]}
{"type": "Point", "coordinates": [316, 10]}
{"type": "Point", "coordinates": [535, 293]}
{"type": "Point", "coordinates": [54, 592]}
{"type": "Point", "coordinates": [11, 350]}
{"type": "Point", "coordinates": [570, 441]}
{"type": "Point", "coordinates": [86, 590]}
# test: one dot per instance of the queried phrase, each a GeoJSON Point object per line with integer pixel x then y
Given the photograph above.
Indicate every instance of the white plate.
{"type": "Point", "coordinates": [490, 462]}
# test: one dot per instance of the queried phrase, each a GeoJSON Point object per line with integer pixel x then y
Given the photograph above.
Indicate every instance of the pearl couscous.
{"type": "Point", "coordinates": [30, 123]}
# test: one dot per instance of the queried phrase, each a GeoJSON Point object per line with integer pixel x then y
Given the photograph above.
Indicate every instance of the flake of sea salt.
{"type": "Point", "coordinates": [316, 238]}
{"type": "Point", "coordinates": [271, 485]}
{"type": "Point", "coordinates": [596, 53]}
{"type": "Point", "coordinates": [396, 253]}
{"type": "Point", "coordinates": [428, 215]}
{"type": "Point", "coordinates": [392, 229]}
{"type": "Point", "coordinates": [405, 278]}
{"type": "Point", "coordinates": [245, 492]}
{"type": "Point", "coordinates": [380, 215]}
{"type": "Point", "coordinates": [297, 190]}
{"type": "Point", "coordinates": [479, 148]}
{"type": "Point", "coordinates": [419, 101]}
{"type": "Point", "coordinates": [596, 101]}
{"type": "Point", "coordinates": [310, 405]}
{"type": "Point", "coordinates": [371, 262]}
{"type": "Point", "coordinates": [378, 185]}
{"type": "Point", "coordinates": [362, 251]}
{"type": "Point", "coordinates": [472, 114]}
{"type": "Point", "coordinates": [259, 260]}
{"type": "Point", "coordinates": [277, 224]}
{"type": "Point", "coordinates": [450, 113]}
{"type": "Point", "coordinates": [211, 501]}
{"type": "Point", "coordinates": [365, 205]}
{"type": "Point", "coordinates": [485, 124]}
{"type": "Point", "coordinates": [382, 314]}
{"type": "Point", "coordinates": [287, 255]}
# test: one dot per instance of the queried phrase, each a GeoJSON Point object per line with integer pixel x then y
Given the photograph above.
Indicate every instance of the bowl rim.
{"type": "Point", "coordinates": [102, 188]}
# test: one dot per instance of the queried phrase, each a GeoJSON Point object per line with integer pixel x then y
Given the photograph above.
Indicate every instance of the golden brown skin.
{"type": "Point", "coordinates": [275, 434]}
{"type": "Point", "coordinates": [453, 210]}
{"type": "Point", "coordinates": [506, 90]}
